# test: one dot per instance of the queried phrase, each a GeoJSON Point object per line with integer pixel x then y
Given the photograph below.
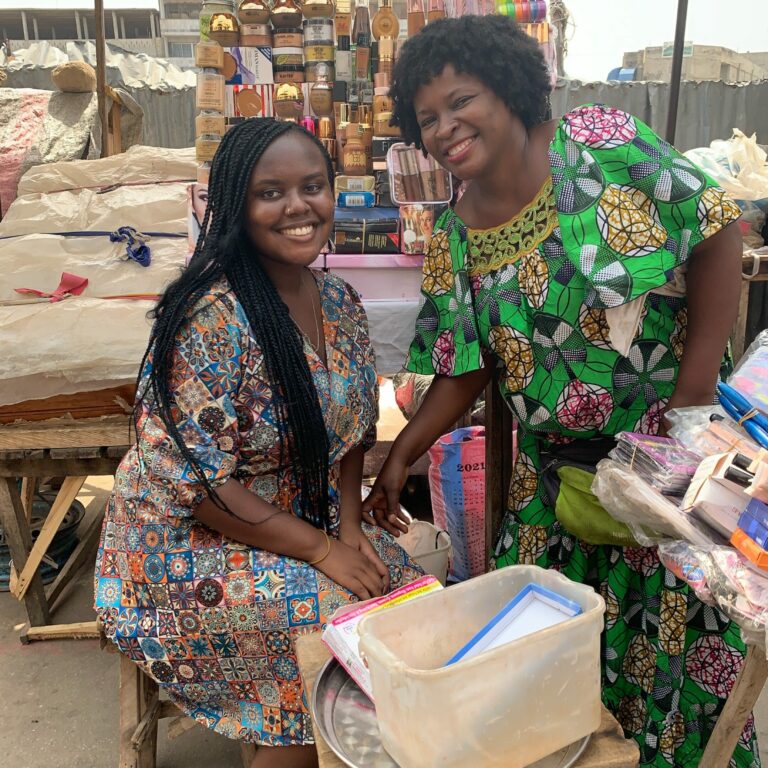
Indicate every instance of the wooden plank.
{"type": "Point", "coordinates": [66, 495]}
{"type": "Point", "coordinates": [179, 726]}
{"type": "Point", "coordinates": [146, 725]}
{"type": "Point", "coordinates": [19, 540]}
{"type": "Point", "coordinates": [66, 433]}
{"type": "Point", "coordinates": [130, 710]}
{"type": "Point", "coordinates": [738, 706]}
{"type": "Point", "coordinates": [498, 464]}
{"type": "Point", "coordinates": [169, 709]}
{"type": "Point", "coordinates": [114, 401]}
{"type": "Point", "coordinates": [28, 491]}
{"type": "Point", "coordinates": [58, 468]}
{"type": "Point", "coordinates": [740, 328]}
{"type": "Point", "coordinates": [150, 696]}
{"type": "Point", "coordinates": [83, 553]}
{"type": "Point", "coordinates": [90, 452]}
{"type": "Point", "coordinates": [81, 630]}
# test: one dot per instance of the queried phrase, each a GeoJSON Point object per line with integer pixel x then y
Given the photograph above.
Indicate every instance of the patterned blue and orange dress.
{"type": "Point", "coordinates": [211, 619]}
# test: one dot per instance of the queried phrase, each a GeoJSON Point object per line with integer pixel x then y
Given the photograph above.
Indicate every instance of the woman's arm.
{"type": "Point", "coordinates": [258, 524]}
{"type": "Point", "coordinates": [447, 398]}
{"type": "Point", "coordinates": [713, 287]}
{"type": "Point", "coordinates": [350, 481]}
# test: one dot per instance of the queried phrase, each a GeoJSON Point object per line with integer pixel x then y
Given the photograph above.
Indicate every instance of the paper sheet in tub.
{"type": "Point", "coordinates": [534, 608]}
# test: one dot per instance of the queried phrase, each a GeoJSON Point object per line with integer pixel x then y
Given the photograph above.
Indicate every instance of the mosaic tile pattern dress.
{"type": "Point", "coordinates": [619, 214]}
{"type": "Point", "coordinates": [211, 619]}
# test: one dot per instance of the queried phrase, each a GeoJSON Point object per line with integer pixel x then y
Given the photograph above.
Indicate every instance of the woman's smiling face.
{"type": "Point", "coordinates": [464, 125]}
{"type": "Point", "coordinates": [289, 207]}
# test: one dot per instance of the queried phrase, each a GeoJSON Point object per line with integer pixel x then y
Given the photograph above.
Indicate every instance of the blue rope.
{"type": "Point", "coordinates": [136, 247]}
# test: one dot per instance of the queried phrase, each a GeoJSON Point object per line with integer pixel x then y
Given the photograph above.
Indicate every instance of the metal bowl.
{"type": "Point", "coordinates": [346, 719]}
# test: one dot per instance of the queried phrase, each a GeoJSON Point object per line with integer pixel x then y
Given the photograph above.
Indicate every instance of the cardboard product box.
{"type": "Point", "coordinates": [417, 221]}
{"type": "Point", "coordinates": [248, 101]}
{"type": "Point", "coordinates": [367, 230]}
{"type": "Point", "coordinates": [381, 188]}
{"type": "Point", "coordinates": [381, 145]}
{"type": "Point", "coordinates": [248, 66]}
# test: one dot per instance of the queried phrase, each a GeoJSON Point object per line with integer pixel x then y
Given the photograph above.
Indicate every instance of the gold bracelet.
{"type": "Point", "coordinates": [327, 551]}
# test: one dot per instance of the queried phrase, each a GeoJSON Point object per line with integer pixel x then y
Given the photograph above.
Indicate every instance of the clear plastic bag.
{"type": "Point", "coordinates": [651, 517]}
{"type": "Point", "coordinates": [751, 374]}
{"type": "Point", "coordinates": [722, 577]}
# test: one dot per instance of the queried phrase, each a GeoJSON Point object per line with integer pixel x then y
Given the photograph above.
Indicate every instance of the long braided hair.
{"type": "Point", "coordinates": [224, 250]}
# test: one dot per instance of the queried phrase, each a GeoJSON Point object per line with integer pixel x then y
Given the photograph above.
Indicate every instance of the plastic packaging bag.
{"type": "Point", "coordinates": [739, 167]}
{"type": "Point", "coordinates": [722, 577]}
{"type": "Point", "coordinates": [751, 374]}
{"type": "Point", "coordinates": [651, 516]}
{"type": "Point", "coordinates": [457, 485]}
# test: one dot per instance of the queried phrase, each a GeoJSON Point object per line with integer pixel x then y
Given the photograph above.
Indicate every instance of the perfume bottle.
{"type": "Point", "coordinates": [385, 22]}
{"type": "Point", "coordinates": [435, 10]}
{"type": "Point", "coordinates": [416, 19]}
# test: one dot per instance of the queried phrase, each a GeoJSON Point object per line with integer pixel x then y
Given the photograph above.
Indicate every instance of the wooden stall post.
{"type": "Point", "coordinates": [498, 463]}
{"type": "Point", "coordinates": [101, 77]}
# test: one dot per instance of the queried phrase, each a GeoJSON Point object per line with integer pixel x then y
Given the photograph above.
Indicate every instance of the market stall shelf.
{"type": "Point", "coordinates": [73, 450]}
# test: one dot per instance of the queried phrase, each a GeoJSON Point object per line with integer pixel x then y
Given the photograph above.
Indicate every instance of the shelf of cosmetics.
{"type": "Point", "coordinates": [311, 32]}
{"type": "Point", "coordinates": [249, 23]}
{"type": "Point", "coordinates": [351, 119]}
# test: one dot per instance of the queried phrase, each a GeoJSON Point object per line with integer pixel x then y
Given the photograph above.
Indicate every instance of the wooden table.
{"type": "Point", "coordinates": [606, 749]}
{"type": "Point", "coordinates": [73, 449]}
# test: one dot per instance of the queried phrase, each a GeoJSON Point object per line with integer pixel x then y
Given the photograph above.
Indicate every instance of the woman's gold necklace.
{"type": "Point", "coordinates": [318, 325]}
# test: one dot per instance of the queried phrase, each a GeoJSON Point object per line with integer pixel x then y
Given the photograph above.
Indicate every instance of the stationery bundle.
{"type": "Point", "coordinates": [661, 461]}
{"type": "Point", "coordinates": [341, 637]}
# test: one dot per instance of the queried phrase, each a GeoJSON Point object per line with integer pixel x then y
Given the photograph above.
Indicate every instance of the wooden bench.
{"type": "Point", "coordinates": [74, 450]}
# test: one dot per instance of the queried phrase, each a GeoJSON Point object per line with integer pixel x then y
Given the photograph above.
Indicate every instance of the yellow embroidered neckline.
{"type": "Point", "coordinates": [491, 249]}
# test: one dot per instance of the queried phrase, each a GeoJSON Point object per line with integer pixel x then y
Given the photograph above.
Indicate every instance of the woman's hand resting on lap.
{"type": "Point", "coordinates": [355, 538]}
{"type": "Point", "coordinates": [349, 567]}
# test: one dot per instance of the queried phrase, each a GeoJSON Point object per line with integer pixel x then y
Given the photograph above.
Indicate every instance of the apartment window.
{"type": "Point", "coordinates": [180, 50]}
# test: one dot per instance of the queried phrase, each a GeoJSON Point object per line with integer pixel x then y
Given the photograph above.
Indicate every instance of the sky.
{"type": "Point", "coordinates": [601, 30]}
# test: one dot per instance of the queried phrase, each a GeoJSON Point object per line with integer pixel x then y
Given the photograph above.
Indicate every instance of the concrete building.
{"type": "Point", "coordinates": [134, 30]}
{"type": "Point", "coordinates": [169, 33]}
{"type": "Point", "coordinates": [700, 62]}
{"type": "Point", "coordinates": [180, 30]}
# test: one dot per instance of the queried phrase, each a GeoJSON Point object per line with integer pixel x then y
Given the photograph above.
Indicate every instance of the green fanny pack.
{"type": "Point", "coordinates": [566, 476]}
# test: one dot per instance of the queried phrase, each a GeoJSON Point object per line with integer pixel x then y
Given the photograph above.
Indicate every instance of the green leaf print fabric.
{"type": "Point", "coordinates": [612, 225]}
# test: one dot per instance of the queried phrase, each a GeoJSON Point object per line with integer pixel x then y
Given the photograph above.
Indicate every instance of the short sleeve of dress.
{"type": "Point", "coordinates": [208, 361]}
{"type": "Point", "coordinates": [630, 206]}
{"type": "Point", "coordinates": [447, 340]}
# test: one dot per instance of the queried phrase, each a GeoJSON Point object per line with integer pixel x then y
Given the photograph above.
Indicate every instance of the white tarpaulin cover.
{"type": "Point", "coordinates": [87, 342]}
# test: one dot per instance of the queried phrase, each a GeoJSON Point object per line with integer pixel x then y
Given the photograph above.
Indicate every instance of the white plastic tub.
{"type": "Point", "coordinates": [429, 547]}
{"type": "Point", "coordinates": [505, 708]}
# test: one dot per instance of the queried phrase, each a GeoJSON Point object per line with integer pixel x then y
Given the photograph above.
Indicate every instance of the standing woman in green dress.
{"type": "Point", "coordinates": [598, 270]}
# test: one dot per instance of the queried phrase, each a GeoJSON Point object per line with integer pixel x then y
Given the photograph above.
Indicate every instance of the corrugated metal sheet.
{"type": "Point", "coordinates": [707, 110]}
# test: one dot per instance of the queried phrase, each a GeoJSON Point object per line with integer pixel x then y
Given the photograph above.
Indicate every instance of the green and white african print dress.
{"type": "Point", "coordinates": [550, 295]}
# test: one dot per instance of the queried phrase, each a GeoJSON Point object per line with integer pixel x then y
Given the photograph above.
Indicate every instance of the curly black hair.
{"type": "Point", "coordinates": [491, 48]}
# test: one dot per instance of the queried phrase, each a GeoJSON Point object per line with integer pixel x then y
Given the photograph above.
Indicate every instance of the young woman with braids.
{"type": "Point", "coordinates": [235, 523]}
